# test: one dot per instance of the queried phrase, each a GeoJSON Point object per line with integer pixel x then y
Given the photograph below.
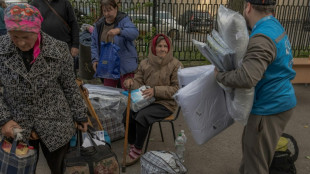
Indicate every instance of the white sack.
{"type": "Point", "coordinates": [203, 106]}
{"type": "Point", "coordinates": [187, 75]}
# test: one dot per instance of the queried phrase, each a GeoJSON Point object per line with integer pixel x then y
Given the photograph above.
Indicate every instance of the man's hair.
{"type": "Point", "coordinates": [265, 8]}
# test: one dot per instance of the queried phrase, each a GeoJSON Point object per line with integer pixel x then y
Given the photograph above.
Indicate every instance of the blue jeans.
{"type": "Point", "coordinates": [2, 32]}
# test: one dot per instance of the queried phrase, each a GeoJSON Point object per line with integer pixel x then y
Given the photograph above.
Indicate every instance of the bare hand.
{"type": "Point", "coordinates": [148, 93]}
{"type": "Point", "coordinates": [95, 66]}
{"type": "Point", "coordinates": [7, 128]}
{"type": "Point", "coordinates": [83, 126]}
{"type": "Point", "coordinates": [114, 31]}
{"type": "Point", "coordinates": [128, 83]}
{"type": "Point", "coordinates": [74, 52]}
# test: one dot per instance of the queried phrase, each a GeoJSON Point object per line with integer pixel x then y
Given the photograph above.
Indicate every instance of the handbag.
{"type": "Point", "coordinates": [12, 164]}
{"type": "Point", "coordinates": [109, 62]}
{"type": "Point", "coordinates": [96, 159]}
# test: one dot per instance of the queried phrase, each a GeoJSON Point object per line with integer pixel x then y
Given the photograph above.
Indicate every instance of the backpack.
{"type": "Point", "coordinates": [285, 155]}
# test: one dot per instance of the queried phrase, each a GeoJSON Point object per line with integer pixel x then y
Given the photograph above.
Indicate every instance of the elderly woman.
{"type": "Point", "coordinates": [115, 26]}
{"type": "Point", "coordinates": [39, 93]}
{"type": "Point", "coordinates": [159, 72]}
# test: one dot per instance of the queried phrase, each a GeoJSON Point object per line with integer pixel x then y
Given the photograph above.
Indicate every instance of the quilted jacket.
{"type": "Point", "coordinates": [45, 99]}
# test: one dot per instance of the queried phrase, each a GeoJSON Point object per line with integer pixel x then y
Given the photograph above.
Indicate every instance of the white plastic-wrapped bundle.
{"type": "Point", "coordinates": [206, 51]}
{"type": "Point", "coordinates": [232, 27]}
{"type": "Point", "coordinates": [137, 100]}
{"type": "Point", "coordinates": [187, 75]}
{"type": "Point", "coordinates": [203, 106]}
{"type": "Point", "coordinates": [109, 105]}
{"type": "Point", "coordinates": [233, 30]}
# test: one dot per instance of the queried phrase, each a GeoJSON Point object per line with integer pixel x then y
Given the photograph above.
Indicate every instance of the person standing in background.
{"type": "Point", "coordinates": [2, 24]}
{"type": "Point", "coordinates": [115, 26]}
{"type": "Point", "coordinates": [60, 22]}
{"type": "Point", "coordinates": [267, 66]}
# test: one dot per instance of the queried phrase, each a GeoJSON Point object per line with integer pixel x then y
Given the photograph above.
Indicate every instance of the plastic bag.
{"type": "Point", "coordinates": [137, 100]}
{"type": "Point", "coordinates": [109, 105]}
{"type": "Point", "coordinates": [203, 106]}
{"type": "Point", "coordinates": [233, 29]}
{"type": "Point", "coordinates": [109, 62]}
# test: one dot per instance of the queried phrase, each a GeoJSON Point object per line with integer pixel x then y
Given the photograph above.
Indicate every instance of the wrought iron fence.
{"type": "Point", "coordinates": [184, 20]}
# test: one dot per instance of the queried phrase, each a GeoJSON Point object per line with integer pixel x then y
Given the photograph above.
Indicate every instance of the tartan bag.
{"type": "Point", "coordinates": [96, 159]}
{"type": "Point", "coordinates": [11, 164]}
{"type": "Point", "coordinates": [109, 62]}
{"type": "Point", "coordinates": [161, 162]}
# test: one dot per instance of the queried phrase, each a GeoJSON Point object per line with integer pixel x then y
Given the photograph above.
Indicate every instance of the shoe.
{"type": "Point", "coordinates": [130, 161]}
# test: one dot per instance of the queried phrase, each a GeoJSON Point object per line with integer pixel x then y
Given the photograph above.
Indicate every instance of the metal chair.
{"type": "Point", "coordinates": [169, 119]}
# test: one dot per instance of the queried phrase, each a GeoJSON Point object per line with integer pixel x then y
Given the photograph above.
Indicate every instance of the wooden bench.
{"type": "Point", "coordinates": [302, 68]}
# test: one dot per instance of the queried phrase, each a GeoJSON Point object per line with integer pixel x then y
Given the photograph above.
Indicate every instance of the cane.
{"type": "Point", "coordinates": [126, 130]}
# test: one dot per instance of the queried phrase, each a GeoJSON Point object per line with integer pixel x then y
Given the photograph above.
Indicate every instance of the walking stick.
{"type": "Point", "coordinates": [126, 131]}
{"type": "Point", "coordinates": [88, 103]}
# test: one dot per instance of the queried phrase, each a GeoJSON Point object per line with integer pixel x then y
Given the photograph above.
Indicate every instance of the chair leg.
{"type": "Point", "coordinates": [161, 132]}
{"type": "Point", "coordinates": [172, 126]}
{"type": "Point", "coordinates": [148, 138]}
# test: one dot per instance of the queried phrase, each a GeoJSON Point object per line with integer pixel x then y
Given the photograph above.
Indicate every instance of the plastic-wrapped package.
{"type": "Point", "coordinates": [109, 105]}
{"type": "Point", "coordinates": [187, 75]}
{"type": "Point", "coordinates": [224, 55]}
{"type": "Point", "coordinates": [232, 27]}
{"type": "Point", "coordinates": [206, 51]}
{"type": "Point", "coordinates": [137, 100]}
{"type": "Point", "coordinates": [203, 106]}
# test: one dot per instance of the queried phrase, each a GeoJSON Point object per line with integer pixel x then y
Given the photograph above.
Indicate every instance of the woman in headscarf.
{"type": "Point", "coordinates": [159, 72]}
{"type": "Point", "coordinates": [39, 93]}
{"type": "Point", "coordinates": [115, 26]}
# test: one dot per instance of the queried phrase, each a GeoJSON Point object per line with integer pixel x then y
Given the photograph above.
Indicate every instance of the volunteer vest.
{"type": "Point", "coordinates": [274, 93]}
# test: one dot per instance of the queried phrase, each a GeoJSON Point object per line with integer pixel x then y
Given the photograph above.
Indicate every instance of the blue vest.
{"type": "Point", "coordinates": [274, 93]}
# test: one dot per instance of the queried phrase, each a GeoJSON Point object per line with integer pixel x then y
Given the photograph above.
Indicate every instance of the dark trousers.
{"type": "Point", "coordinates": [259, 141]}
{"type": "Point", "coordinates": [54, 159]}
{"type": "Point", "coordinates": [139, 122]}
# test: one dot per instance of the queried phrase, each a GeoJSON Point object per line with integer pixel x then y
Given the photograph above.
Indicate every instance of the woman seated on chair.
{"type": "Point", "coordinates": [159, 71]}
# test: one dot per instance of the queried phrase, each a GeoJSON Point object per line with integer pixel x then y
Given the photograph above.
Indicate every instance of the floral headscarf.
{"type": "Point", "coordinates": [24, 17]}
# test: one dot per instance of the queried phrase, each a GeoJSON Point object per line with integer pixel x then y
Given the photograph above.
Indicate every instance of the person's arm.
{"type": "Point", "coordinates": [70, 88]}
{"type": "Point", "coordinates": [260, 53]}
{"type": "Point", "coordinates": [72, 22]}
{"type": "Point", "coordinates": [128, 29]}
{"type": "Point", "coordinates": [166, 92]}
{"type": "Point", "coordinates": [94, 46]}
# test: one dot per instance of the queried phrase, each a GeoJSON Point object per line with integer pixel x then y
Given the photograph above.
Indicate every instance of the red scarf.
{"type": "Point", "coordinates": [154, 42]}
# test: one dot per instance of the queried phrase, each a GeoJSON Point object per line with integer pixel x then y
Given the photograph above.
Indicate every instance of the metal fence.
{"type": "Point", "coordinates": [184, 20]}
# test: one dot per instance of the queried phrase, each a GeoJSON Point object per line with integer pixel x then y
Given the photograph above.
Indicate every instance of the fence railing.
{"type": "Point", "coordinates": [184, 20]}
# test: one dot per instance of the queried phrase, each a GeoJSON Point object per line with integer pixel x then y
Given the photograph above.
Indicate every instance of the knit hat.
{"type": "Point", "coordinates": [262, 2]}
{"type": "Point", "coordinates": [23, 17]}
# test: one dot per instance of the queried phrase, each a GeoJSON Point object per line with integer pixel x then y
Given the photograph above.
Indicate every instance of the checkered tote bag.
{"type": "Point", "coordinates": [11, 164]}
{"type": "Point", "coordinates": [161, 162]}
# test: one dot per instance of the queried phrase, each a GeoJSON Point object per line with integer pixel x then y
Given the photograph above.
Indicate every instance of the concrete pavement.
{"type": "Point", "coordinates": [222, 154]}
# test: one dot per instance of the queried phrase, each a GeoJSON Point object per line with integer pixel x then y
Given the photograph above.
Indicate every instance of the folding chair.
{"type": "Point", "coordinates": [169, 119]}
